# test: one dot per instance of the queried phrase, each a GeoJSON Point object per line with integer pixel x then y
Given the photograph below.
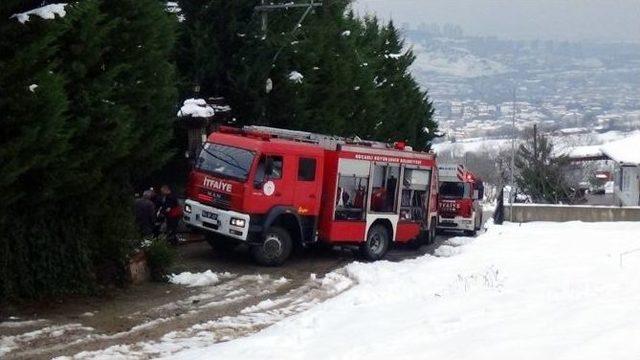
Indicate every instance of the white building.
{"type": "Point", "coordinates": [626, 154]}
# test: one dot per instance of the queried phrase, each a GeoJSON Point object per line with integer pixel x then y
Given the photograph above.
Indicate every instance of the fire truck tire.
{"type": "Point", "coordinates": [377, 243]}
{"type": "Point", "coordinates": [275, 249]}
{"type": "Point", "coordinates": [433, 232]}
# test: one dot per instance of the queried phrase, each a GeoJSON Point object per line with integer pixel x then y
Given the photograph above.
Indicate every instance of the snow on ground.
{"type": "Point", "coordinates": [206, 278]}
{"type": "Point", "coordinates": [227, 327]}
{"type": "Point", "coordinates": [46, 12]}
{"type": "Point", "coordinates": [14, 323]}
{"type": "Point", "coordinates": [460, 147]}
{"type": "Point", "coordinates": [9, 343]}
{"type": "Point", "coordinates": [454, 61]}
{"type": "Point", "coordinates": [575, 144]}
{"type": "Point", "coordinates": [529, 291]}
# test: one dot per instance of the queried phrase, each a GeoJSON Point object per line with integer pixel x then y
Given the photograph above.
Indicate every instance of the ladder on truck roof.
{"type": "Point", "coordinates": [327, 141]}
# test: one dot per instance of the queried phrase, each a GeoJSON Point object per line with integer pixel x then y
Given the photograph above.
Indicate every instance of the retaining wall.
{"type": "Point", "coordinates": [562, 213]}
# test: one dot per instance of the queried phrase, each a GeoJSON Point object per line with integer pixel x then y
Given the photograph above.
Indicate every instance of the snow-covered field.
{"type": "Point", "coordinates": [454, 61]}
{"type": "Point", "coordinates": [530, 291]}
{"type": "Point", "coordinates": [574, 144]}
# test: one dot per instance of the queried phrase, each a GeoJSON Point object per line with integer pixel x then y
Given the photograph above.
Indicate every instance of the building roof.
{"type": "Point", "coordinates": [586, 152]}
{"type": "Point", "coordinates": [626, 151]}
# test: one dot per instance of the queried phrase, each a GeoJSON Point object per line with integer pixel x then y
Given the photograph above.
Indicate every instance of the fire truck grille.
{"type": "Point", "coordinates": [219, 200]}
{"type": "Point", "coordinates": [448, 209]}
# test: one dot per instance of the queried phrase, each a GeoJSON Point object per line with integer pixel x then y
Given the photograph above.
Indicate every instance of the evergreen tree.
{"type": "Point", "coordinates": [34, 140]}
{"type": "Point", "coordinates": [540, 172]}
{"type": "Point", "coordinates": [87, 103]}
{"type": "Point", "coordinates": [356, 78]}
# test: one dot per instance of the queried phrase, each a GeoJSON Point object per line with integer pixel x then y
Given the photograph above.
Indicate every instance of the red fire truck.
{"type": "Point", "coordinates": [274, 189]}
{"type": "Point", "coordinates": [459, 199]}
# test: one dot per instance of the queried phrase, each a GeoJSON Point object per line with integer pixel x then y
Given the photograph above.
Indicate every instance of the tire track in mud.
{"type": "Point", "coordinates": [237, 306]}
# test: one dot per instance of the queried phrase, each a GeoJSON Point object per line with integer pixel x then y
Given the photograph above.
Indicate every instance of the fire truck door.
{"type": "Point", "coordinates": [272, 176]}
{"type": "Point", "coordinates": [307, 189]}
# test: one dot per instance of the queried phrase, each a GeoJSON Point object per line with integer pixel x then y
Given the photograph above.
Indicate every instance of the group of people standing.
{"type": "Point", "coordinates": [156, 213]}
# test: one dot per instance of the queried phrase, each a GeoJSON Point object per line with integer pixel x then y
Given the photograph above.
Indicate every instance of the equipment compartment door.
{"type": "Point", "coordinates": [414, 203]}
{"type": "Point", "coordinates": [307, 186]}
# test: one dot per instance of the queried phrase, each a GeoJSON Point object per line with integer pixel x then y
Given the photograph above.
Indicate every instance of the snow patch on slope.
{"type": "Point", "coordinates": [455, 61]}
{"type": "Point", "coordinates": [532, 291]}
{"type": "Point", "coordinates": [206, 278]}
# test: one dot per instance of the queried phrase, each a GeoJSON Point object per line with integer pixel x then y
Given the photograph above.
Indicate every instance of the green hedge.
{"type": "Point", "coordinates": [87, 108]}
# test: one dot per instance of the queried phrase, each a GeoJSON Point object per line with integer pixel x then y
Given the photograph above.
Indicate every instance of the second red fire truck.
{"type": "Point", "coordinates": [460, 195]}
{"type": "Point", "coordinates": [274, 188]}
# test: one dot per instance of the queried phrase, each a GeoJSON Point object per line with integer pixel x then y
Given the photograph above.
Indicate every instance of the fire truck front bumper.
{"type": "Point", "coordinates": [224, 222]}
{"type": "Point", "coordinates": [456, 223]}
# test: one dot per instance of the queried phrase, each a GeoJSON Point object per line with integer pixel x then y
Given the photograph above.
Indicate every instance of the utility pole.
{"type": "Point", "coordinates": [512, 193]}
{"type": "Point", "coordinates": [535, 142]}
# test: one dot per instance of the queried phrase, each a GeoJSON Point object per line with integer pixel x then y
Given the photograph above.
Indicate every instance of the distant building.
{"type": "Point", "coordinates": [626, 154]}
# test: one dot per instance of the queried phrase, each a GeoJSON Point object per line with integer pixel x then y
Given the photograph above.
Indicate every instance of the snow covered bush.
{"type": "Point", "coordinates": [160, 257]}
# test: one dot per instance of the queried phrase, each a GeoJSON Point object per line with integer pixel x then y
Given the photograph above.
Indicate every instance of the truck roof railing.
{"type": "Point", "coordinates": [328, 141]}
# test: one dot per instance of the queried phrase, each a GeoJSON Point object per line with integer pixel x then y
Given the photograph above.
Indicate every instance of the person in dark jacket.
{"type": "Point", "coordinates": [145, 213]}
{"type": "Point", "coordinates": [171, 211]}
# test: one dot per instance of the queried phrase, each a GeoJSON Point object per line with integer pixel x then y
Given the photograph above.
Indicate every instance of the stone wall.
{"type": "Point", "coordinates": [562, 213]}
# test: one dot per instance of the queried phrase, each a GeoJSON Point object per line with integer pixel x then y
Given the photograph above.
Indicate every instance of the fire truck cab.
{"type": "Point", "coordinates": [274, 189]}
{"type": "Point", "coordinates": [459, 198]}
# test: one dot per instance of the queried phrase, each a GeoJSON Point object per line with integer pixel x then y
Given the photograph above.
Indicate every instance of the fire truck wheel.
{"type": "Point", "coordinates": [433, 232]}
{"type": "Point", "coordinates": [377, 243]}
{"type": "Point", "coordinates": [275, 248]}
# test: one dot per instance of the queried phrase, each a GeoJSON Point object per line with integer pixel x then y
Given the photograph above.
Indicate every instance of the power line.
{"type": "Point", "coordinates": [265, 9]}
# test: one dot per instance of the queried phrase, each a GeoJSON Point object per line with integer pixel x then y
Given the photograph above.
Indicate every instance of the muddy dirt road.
{"type": "Point", "coordinates": [153, 319]}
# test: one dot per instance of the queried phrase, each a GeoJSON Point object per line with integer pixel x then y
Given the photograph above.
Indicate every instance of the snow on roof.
{"type": "Point", "coordinates": [576, 130]}
{"type": "Point", "coordinates": [585, 151]}
{"type": "Point", "coordinates": [296, 77]}
{"type": "Point", "coordinates": [625, 151]}
{"type": "Point", "coordinates": [196, 108]}
{"type": "Point", "coordinates": [46, 12]}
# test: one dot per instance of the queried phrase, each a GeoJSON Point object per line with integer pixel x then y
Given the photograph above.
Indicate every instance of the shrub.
{"type": "Point", "coordinates": [160, 257]}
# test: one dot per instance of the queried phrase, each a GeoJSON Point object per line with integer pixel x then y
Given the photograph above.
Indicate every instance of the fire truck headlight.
{"type": "Point", "coordinates": [238, 222]}
{"type": "Point", "coordinates": [187, 209]}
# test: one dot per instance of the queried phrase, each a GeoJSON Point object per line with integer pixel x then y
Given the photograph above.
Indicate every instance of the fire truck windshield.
{"type": "Point", "coordinates": [224, 160]}
{"type": "Point", "coordinates": [454, 190]}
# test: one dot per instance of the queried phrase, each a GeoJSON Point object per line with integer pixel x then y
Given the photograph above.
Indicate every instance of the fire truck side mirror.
{"type": "Point", "coordinates": [480, 190]}
{"type": "Point", "coordinates": [268, 167]}
{"type": "Point", "coordinates": [267, 163]}
{"type": "Point", "coordinates": [191, 157]}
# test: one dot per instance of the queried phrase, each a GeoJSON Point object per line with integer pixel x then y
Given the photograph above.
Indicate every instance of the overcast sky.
{"type": "Point", "coordinates": [599, 20]}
